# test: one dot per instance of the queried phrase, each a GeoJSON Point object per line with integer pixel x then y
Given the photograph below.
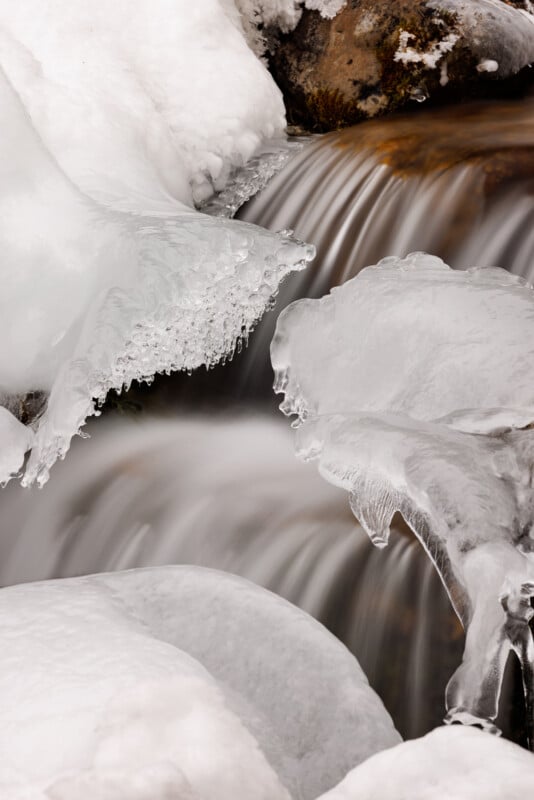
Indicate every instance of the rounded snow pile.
{"type": "Point", "coordinates": [456, 763]}
{"type": "Point", "coordinates": [176, 682]}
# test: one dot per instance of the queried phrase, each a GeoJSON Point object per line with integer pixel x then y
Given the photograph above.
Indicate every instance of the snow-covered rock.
{"type": "Point", "coordinates": [140, 105]}
{"type": "Point", "coordinates": [412, 385]}
{"type": "Point", "coordinates": [376, 56]}
{"type": "Point", "coordinates": [115, 120]}
{"type": "Point", "coordinates": [456, 763]}
{"type": "Point", "coordinates": [191, 682]}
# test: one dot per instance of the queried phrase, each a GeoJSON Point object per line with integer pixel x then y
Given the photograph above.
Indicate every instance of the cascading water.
{"type": "Point", "coordinates": [144, 495]}
{"type": "Point", "coordinates": [456, 183]}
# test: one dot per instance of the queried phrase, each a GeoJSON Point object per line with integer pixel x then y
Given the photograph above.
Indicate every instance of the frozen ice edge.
{"type": "Point", "coordinates": [417, 397]}
{"type": "Point", "coordinates": [253, 176]}
{"type": "Point", "coordinates": [156, 327]}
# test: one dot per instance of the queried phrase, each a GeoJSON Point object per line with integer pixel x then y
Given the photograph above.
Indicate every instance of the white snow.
{"type": "Point", "coordinates": [180, 679]}
{"type": "Point", "coordinates": [488, 66]}
{"type": "Point", "coordinates": [115, 120]}
{"type": "Point", "coordinates": [140, 104]}
{"type": "Point", "coordinates": [455, 763]}
{"type": "Point", "coordinates": [409, 54]}
{"type": "Point", "coordinates": [412, 384]}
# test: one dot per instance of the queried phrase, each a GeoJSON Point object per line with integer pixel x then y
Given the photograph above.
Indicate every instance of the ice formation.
{"type": "Point", "coordinates": [455, 763]}
{"type": "Point", "coordinates": [412, 385]}
{"type": "Point", "coordinates": [149, 683]}
{"type": "Point", "coordinates": [115, 122]}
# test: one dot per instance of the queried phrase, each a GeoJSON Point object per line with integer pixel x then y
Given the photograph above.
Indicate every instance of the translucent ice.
{"type": "Point", "coordinates": [147, 683]}
{"type": "Point", "coordinates": [108, 274]}
{"type": "Point", "coordinates": [412, 385]}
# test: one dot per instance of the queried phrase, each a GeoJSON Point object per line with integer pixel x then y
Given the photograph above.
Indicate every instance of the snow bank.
{"type": "Point", "coordinates": [178, 678]}
{"type": "Point", "coordinates": [412, 385]}
{"type": "Point", "coordinates": [115, 121]}
{"type": "Point", "coordinates": [140, 105]}
{"type": "Point", "coordinates": [455, 763]}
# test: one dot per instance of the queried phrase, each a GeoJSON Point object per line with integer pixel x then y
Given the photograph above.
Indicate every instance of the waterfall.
{"type": "Point", "coordinates": [457, 183]}
{"type": "Point", "coordinates": [228, 493]}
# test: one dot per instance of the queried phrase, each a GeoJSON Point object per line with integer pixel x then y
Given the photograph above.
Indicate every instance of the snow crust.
{"type": "Point", "coordinates": [456, 763]}
{"type": "Point", "coordinates": [175, 682]}
{"type": "Point", "coordinates": [116, 120]}
{"type": "Point", "coordinates": [412, 385]}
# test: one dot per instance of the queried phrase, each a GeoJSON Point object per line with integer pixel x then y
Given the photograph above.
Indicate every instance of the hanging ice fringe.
{"type": "Point", "coordinates": [413, 386]}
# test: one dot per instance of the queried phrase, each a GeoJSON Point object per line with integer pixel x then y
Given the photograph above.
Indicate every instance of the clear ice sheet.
{"type": "Point", "coordinates": [412, 386]}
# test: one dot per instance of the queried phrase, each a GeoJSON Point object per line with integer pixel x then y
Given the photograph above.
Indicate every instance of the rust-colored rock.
{"type": "Point", "coordinates": [377, 56]}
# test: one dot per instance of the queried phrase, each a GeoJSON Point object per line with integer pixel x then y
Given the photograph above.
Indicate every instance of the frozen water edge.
{"type": "Point", "coordinates": [166, 322]}
{"type": "Point", "coordinates": [252, 177]}
{"type": "Point", "coordinates": [412, 385]}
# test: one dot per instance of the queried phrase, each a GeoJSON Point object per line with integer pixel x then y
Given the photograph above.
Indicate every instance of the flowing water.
{"type": "Point", "coordinates": [227, 492]}
{"type": "Point", "coordinates": [230, 494]}
{"type": "Point", "coordinates": [457, 183]}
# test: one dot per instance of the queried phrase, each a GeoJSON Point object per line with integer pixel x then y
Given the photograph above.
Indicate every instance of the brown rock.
{"type": "Point", "coordinates": [377, 56]}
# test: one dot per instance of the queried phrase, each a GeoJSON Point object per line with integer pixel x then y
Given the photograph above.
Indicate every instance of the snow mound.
{"type": "Point", "coordinates": [140, 104]}
{"type": "Point", "coordinates": [412, 385]}
{"type": "Point", "coordinates": [181, 678]}
{"type": "Point", "coordinates": [454, 763]}
{"type": "Point", "coordinates": [108, 274]}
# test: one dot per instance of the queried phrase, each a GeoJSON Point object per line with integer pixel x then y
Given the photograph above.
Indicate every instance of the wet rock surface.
{"type": "Point", "coordinates": [375, 57]}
